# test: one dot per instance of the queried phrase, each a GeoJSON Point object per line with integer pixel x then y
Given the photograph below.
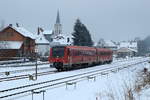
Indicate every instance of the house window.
{"type": "Point", "coordinates": [68, 40]}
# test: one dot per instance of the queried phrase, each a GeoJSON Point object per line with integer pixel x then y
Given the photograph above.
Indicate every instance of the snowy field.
{"type": "Point", "coordinates": [111, 86]}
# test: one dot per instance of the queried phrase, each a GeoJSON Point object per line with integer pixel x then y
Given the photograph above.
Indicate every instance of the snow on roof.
{"type": "Point", "coordinates": [109, 43]}
{"type": "Point", "coordinates": [135, 50]}
{"type": "Point", "coordinates": [47, 32]}
{"type": "Point", "coordinates": [24, 32]}
{"type": "Point", "coordinates": [123, 49]}
{"type": "Point", "coordinates": [128, 44]}
{"type": "Point", "coordinates": [63, 39]}
{"type": "Point", "coordinates": [10, 44]}
{"type": "Point", "coordinates": [41, 39]}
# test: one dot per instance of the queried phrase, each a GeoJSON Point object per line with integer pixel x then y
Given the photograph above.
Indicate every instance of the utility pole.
{"type": "Point", "coordinates": [36, 64]}
{"type": "Point", "coordinates": [36, 68]}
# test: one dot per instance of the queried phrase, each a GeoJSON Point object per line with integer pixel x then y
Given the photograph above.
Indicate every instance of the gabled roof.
{"type": "Point", "coordinates": [124, 49]}
{"type": "Point", "coordinates": [109, 43]}
{"type": "Point", "coordinates": [22, 31]}
{"type": "Point", "coordinates": [63, 39]}
{"type": "Point", "coordinates": [41, 39]}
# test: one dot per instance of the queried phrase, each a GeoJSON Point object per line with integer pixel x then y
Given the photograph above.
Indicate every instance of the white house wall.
{"type": "Point", "coordinates": [43, 49]}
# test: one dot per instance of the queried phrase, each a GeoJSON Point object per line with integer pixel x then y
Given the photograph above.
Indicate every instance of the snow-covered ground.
{"type": "Point", "coordinates": [17, 70]}
{"type": "Point", "coordinates": [111, 86]}
{"type": "Point", "coordinates": [144, 95]}
{"type": "Point", "coordinates": [21, 64]}
{"type": "Point", "coordinates": [23, 68]}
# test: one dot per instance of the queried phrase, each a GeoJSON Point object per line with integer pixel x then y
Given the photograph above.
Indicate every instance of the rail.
{"type": "Point", "coordinates": [26, 76]}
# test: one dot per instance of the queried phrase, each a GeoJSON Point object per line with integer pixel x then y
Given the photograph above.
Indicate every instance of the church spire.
{"type": "Point", "coordinates": [58, 19]}
{"type": "Point", "coordinates": [57, 26]}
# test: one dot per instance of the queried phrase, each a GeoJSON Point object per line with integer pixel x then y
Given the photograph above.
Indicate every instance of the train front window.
{"type": "Point", "coordinates": [58, 51]}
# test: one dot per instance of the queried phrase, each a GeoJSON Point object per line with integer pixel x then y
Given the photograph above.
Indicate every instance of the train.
{"type": "Point", "coordinates": [71, 57]}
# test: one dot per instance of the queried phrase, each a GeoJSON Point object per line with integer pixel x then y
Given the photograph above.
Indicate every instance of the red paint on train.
{"type": "Point", "coordinates": [69, 57]}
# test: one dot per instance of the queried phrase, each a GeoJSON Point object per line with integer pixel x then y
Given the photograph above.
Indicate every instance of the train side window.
{"type": "Point", "coordinates": [75, 52]}
{"type": "Point", "coordinates": [83, 53]}
{"type": "Point", "coordinates": [72, 52]}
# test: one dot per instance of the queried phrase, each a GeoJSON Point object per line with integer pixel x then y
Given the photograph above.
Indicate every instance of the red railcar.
{"type": "Point", "coordinates": [104, 55]}
{"type": "Point", "coordinates": [69, 57]}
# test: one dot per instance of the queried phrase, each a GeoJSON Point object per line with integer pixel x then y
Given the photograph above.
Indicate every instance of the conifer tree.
{"type": "Point", "coordinates": [81, 35]}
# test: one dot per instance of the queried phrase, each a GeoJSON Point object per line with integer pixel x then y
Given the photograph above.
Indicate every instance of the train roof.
{"type": "Point", "coordinates": [85, 47]}
{"type": "Point", "coordinates": [79, 47]}
{"type": "Point", "coordinates": [104, 49]}
{"type": "Point", "coordinates": [75, 47]}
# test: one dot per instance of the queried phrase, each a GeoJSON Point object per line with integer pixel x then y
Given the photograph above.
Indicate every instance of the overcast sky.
{"type": "Point", "coordinates": [109, 19]}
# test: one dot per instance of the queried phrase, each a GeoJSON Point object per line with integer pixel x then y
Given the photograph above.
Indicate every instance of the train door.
{"type": "Point", "coordinates": [69, 57]}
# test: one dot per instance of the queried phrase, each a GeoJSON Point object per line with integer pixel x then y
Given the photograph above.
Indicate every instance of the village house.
{"type": "Point", "coordinates": [107, 44]}
{"type": "Point", "coordinates": [126, 52]}
{"type": "Point", "coordinates": [42, 44]}
{"type": "Point", "coordinates": [127, 49]}
{"type": "Point", "coordinates": [16, 41]}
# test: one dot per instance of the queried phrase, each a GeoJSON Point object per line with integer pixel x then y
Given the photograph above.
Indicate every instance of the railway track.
{"type": "Point", "coordinates": [22, 70]}
{"type": "Point", "coordinates": [22, 65]}
{"type": "Point", "coordinates": [32, 69]}
{"type": "Point", "coordinates": [26, 76]}
{"type": "Point", "coordinates": [62, 81]}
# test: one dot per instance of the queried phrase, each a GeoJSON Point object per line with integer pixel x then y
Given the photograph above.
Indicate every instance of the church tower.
{"type": "Point", "coordinates": [57, 26]}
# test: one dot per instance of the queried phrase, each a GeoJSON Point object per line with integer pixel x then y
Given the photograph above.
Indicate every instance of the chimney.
{"type": "Point", "coordinates": [41, 30]}
{"type": "Point", "coordinates": [17, 24]}
{"type": "Point", "coordinates": [38, 31]}
{"type": "Point", "coordinates": [10, 25]}
{"type": "Point", "coordinates": [68, 40]}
